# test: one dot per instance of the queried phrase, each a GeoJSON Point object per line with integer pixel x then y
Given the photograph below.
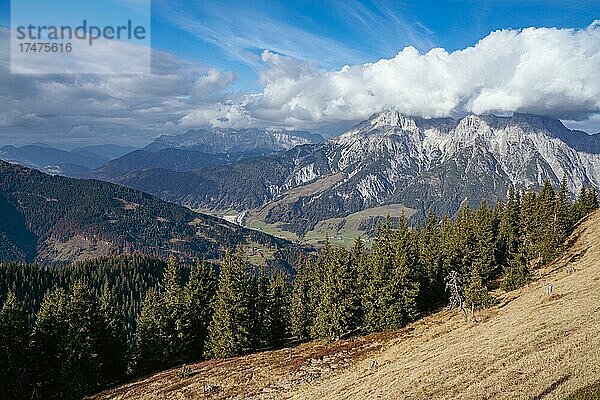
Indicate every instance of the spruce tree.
{"type": "Point", "coordinates": [477, 296]}
{"type": "Point", "coordinates": [49, 346]}
{"type": "Point", "coordinates": [114, 339]}
{"type": "Point", "coordinates": [529, 225]}
{"type": "Point", "coordinates": [14, 345]}
{"type": "Point", "coordinates": [258, 291]}
{"type": "Point", "coordinates": [509, 235]}
{"type": "Point", "coordinates": [175, 329]}
{"type": "Point", "coordinates": [432, 273]}
{"type": "Point", "coordinates": [594, 204]}
{"type": "Point", "coordinates": [230, 328]}
{"type": "Point", "coordinates": [562, 218]}
{"type": "Point", "coordinates": [381, 259]}
{"type": "Point", "coordinates": [334, 312]}
{"type": "Point", "coordinates": [484, 256]}
{"type": "Point", "coordinates": [83, 366]}
{"type": "Point", "coordinates": [277, 309]}
{"type": "Point", "coordinates": [516, 273]}
{"type": "Point", "coordinates": [198, 295]}
{"type": "Point", "coordinates": [546, 223]}
{"type": "Point", "coordinates": [463, 246]}
{"type": "Point", "coordinates": [359, 265]}
{"type": "Point", "coordinates": [148, 341]}
{"type": "Point", "coordinates": [317, 276]}
{"type": "Point", "coordinates": [300, 322]}
{"type": "Point", "coordinates": [402, 282]}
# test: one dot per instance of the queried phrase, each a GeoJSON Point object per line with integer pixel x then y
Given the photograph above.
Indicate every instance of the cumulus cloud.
{"type": "Point", "coordinates": [212, 84]}
{"type": "Point", "coordinates": [540, 70]}
{"type": "Point", "coordinates": [75, 108]}
{"type": "Point", "coordinates": [548, 71]}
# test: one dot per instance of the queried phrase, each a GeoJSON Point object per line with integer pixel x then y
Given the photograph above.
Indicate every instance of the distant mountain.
{"type": "Point", "coordinates": [42, 157]}
{"type": "Point", "coordinates": [168, 159]}
{"type": "Point", "coordinates": [53, 218]}
{"type": "Point", "coordinates": [389, 159]}
{"type": "Point", "coordinates": [202, 148]}
{"type": "Point", "coordinates": [235, 141]}
{"type": "Point", "coordinates": [106, 151]}
{"type": "Point", "coordinates": [74, 163]}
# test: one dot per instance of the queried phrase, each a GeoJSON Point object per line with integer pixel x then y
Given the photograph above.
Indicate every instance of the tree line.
{"type": "Point", "coordinates": [65, 334]}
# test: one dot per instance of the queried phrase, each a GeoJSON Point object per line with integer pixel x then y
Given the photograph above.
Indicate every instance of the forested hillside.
{"type": "Point", "coordinates": [52, 218]}
{"type": "Point", "coordinates": [531, 345]}
{"type": "Point", "coordinates": [81, 336]}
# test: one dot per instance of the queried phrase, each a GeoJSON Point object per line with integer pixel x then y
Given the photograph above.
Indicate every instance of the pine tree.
{"type": "Point", "coordinates": [432, 272]}
{"type": "Point", "coordinates": [562, 217]}
{"type": "Point", "coordinates": [175, 329]}
{"type": "Point", "coordinates": [148, 341]}
{"type": "Point", "coordinates": [14, 345]}
{"type": "Point", "coordinates": [477, 296]}
{"type": "Point", "coordinates": [300, 322]}
{"type": "Point", "coordinates": [230, 328]}
{"type": "Point", "coordinates": [49, 346]}
{"type": "Point", "coordinates": [113, 340]}
{"type": "Point", "coordinates": [198, 295]}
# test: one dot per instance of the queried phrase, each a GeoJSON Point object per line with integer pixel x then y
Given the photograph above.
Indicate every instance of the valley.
{"type": "Point", "coordinates": [389, 160]}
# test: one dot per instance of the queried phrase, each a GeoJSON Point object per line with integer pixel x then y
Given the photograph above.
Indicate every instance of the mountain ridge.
{"type": "Point", "coordinates": [66, 219]}
{"type": "Point", "coordinates": [390, 158]}
{"type": "Point", "coordinates": [229, 140]}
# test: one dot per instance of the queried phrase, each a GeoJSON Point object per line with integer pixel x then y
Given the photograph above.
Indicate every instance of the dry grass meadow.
{"type": "Point", "coordinates": [530, 346]}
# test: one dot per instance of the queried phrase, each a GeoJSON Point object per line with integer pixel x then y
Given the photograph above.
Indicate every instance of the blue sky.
{"type": "Point", "coordinates": [317, 65]}
{"type": "Point", "coordinates": [225, 34]}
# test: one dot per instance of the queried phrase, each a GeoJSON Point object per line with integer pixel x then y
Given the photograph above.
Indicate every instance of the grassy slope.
{"type": "Point", "coordinates": [530, 346]}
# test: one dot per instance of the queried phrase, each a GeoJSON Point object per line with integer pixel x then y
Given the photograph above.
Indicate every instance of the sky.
{"type": "Point", "coordinates": [320, 66]}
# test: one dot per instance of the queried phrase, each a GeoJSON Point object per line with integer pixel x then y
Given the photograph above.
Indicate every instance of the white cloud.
{"type": "Point", "coordinates": [540, 70]}
{"type": "Point", "coordinates": [74, 108]}
{"type": "Point", "coordinates": [549, 71]}
{"type": "Point", "coordinates": [81, 131]}
{"type": "Point", "coordinates": [215, 81]}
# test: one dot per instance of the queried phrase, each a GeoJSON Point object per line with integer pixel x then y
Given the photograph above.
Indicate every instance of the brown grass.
{"type": "Point", "coordinates": [529, 346]}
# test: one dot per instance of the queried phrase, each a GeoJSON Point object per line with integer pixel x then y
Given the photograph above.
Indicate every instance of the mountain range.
{"type": "Point", "coordinates": [75, 163]}
{"type": "Point", "coordinates": [234, 141]}
{"type": "Point", "coordinates": [388, 162]}
{"type": "Point", "coordinates": [295, 184]}
{"type": "Point", "coordinates": [191, 150]}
